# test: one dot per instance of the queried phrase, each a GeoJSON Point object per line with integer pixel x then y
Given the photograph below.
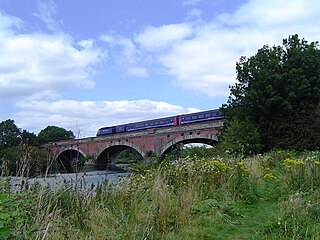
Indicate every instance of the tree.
{"type": "Point", "coordinates": [29, 138]}
{"type": "Point", "coordinates": [240, 138]}
{"type": "Point", "coordinates": [278, 90]}
{"type": "Point", "coordinates": [53, 134]}
{"type": "Point", "coordinates": [10, 134]}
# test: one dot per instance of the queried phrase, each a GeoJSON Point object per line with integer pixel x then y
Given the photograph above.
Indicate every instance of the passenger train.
{"type": "Point", "coordinates": [163, 122]}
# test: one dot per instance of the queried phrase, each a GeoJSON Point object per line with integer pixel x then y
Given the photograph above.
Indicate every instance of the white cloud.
{"type": "Point", "coordinates": [78, 115]}
{"type": "Point", "coordinates": [202, 55]}
{"type": "Point", "coordinates": [191, 2]}
{"type": "Point", "coordinates": [7, 23]}
{"type": "Point", "coordinates": [273, 14]}
{"type": "Point", "coordinates": [46, 9]}
{"type": "Point", "coordinates": [138, 72]}
{"type": "Point", "coordinates": [195, 13]}
{"type": "Point", "coordinates": [38, 62]}
{"type": "Point", "coordinates": [128, 52]}
{"type": "Point", "coordinates": [159, 38]}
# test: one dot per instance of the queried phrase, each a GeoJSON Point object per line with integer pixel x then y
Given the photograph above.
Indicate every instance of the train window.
{"type": "Point", "coordinates": [201, 116]}
{"type": "Point", "coordinates": [207, 115]}
{"type": "Point", "coordinates": [194, 117]}
{"type": "Point", "coordinates": [161, 122]}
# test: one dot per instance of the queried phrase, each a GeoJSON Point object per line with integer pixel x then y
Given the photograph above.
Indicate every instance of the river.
{"type": "Point", "coordinates": [84, 181]}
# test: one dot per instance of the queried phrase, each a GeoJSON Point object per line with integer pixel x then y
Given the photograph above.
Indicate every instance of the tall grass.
{"type": "Point", "coordinates": [177, 199]}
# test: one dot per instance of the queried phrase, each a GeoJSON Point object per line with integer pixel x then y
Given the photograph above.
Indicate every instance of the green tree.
{"type": "Point", "coordinates": [129, 156]}
{"type": "Point", "coordinates": [10, 134]}
{"type": "Point", "coordinates": [30, 138]}
{"type": "Point", "coordinates": [278, 90]}
{"type": "Point", "coordinates": [53, 133]}
{"type": "Point", "coordinates": [240, 138]}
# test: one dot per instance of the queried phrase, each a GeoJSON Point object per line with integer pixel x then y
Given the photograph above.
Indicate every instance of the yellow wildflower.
{"type": "Point", "coordinates": [269, 177]}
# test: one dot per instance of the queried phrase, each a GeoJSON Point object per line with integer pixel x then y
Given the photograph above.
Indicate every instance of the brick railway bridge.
{"type": "Point", "coordinates": [103, 150]}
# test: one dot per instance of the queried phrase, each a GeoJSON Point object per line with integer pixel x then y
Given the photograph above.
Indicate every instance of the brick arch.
{"type": "Point", "coordinates": [77, 149]}
{"type": "Point", "coordinates": [209, 139]}
{"type": "Point", "coordinates": [128, 144]}
{"type": "Point", "coordinates": [106, 156]}
{"type": "Point", "coordinates": [69, 158]}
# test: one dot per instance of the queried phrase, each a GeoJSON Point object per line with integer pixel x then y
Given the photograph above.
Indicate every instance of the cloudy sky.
{"type": "Point", "coordinates": [85, 64]}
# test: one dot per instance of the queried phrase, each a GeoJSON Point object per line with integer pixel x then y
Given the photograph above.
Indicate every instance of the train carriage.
{"type": "Point", "coordinates": [163, 122]}
{"type": "Point", "coordinates": [155, 123]}
{"type": "Point", "coordinates": [200, 116]}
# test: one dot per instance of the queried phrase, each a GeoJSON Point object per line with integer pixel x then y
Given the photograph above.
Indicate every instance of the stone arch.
{"type": "Point", "coordinates": [210, 139]}
{"type": "Point", "coordinates": [106, 156]}
{"type": "Point", "coordinates": [71, 159]}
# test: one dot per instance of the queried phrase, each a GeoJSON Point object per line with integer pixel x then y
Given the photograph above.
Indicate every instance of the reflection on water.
{"type": "Point", "coordinates": [85, 182]}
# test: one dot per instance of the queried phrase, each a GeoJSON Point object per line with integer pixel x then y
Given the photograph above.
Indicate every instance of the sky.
{"type": "Point", "coordinates": [82, 65]}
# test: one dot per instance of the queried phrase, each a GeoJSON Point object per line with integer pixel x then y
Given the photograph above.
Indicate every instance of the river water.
{"type": "Point", "coordinates": [85, 181]}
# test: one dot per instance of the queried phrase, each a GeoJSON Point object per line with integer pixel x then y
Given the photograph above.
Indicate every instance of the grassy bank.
{"type": "Point", "coordinates": [271, 196]}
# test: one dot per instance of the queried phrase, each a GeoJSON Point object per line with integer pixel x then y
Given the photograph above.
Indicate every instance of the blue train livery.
{"type": "Point", "coordinates": [154, 123]}
{"type": "Point", "coordinates": [163, 122]}
{"type": "Point", "coordinates": [200, 116]}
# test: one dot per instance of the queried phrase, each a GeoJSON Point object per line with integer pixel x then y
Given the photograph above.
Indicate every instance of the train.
{"type": "Point", "coordinates": [163, 122]}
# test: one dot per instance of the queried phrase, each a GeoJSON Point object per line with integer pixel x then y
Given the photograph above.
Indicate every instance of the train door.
{"type": "Point", "coordinates": [177, 121]}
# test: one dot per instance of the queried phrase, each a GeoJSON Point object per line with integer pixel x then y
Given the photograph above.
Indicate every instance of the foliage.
{"type": "Point", "coordinates": [278, 89]}
{"type": "Point", "coordinates": [297, 211]}
{"type": "Point", "coordinates": [9, 134]}
{"type": "Point", "coordinates": [54, 133]}
{"type": "Point", "coordinates": [15, 215]}
{"type": "Point", "coordinates": [29, 138]}
{"type": "Point", "coordinates": [240, 138]}
{"type": "Point", "coordinates": [129, 156]}
{"type": "Point", "coordinates": [24, 160]}
{"type": "Point", "coordinates": [197, 151]}
{"type": "Point", "coordinates": [19, 152]}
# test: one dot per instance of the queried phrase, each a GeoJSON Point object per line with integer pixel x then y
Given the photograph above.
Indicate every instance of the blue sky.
{"type": "Point", "coordinates": [86, 64]}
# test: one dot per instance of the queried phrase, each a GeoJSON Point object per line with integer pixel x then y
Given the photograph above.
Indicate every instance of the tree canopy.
{"type": "Point", "coordinates": [278, 90]}
{"type": "Point", "coordinates": [19, 147]}
{"type": "Point", "coordinates": [10, 134]}
{"type": "Point", "coordinates": [53, 133]}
